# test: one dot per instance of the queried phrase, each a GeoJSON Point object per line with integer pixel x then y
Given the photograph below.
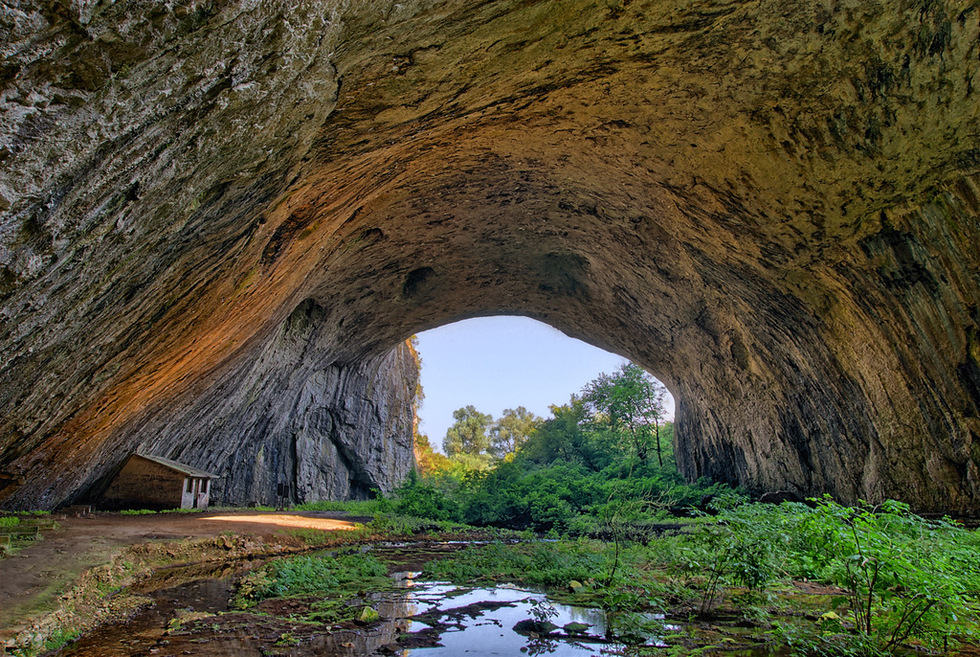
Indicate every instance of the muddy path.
{"type": "Point", "coordinates": [32, 578]}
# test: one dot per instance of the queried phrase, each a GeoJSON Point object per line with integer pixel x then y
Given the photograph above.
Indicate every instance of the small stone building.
{"type": "Point", "coordinates": [153, 482]}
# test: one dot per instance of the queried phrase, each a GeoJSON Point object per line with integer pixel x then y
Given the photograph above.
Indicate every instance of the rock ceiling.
{"type": "Point", "coordinates": [772, 205]}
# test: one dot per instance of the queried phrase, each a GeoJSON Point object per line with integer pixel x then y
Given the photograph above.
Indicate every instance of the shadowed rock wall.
{"type": "Point", "coordinates": [291, 416]}
{"type": "Point", "coordinates": [773, 206]}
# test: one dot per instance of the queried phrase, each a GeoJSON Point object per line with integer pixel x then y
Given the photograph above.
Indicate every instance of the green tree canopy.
{"type": "Point", "coordinates": [509, 432]}
{"type": "Point", "coordinates": [631, 401]}
{"type": "Point", "coordinates": [469, 435]}
{"type": "Point", "coordinates": [558, 437]}
{"type": "Point", "coordinates": [426, 458]}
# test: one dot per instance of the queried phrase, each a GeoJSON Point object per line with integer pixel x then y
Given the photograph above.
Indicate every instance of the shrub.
{"type": "Point", "coordinates": [419, 499]}
{"type": "Point", "coordinates": [905, 577]}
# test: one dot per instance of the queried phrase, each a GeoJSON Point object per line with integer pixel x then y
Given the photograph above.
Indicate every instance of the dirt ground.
{"type": "Point", "coordinates": [31, 577]}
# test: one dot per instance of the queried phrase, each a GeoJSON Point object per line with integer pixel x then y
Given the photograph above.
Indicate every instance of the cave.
{"type": "Point", "coordinates": [222, 220]}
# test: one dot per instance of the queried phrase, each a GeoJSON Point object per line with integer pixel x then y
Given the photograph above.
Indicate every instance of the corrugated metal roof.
{"type": "Point", "coordinates": [179, 467]}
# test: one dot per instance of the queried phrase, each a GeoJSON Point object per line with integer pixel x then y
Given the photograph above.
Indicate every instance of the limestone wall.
{"type": "Point", "coordinates": [218, 219]}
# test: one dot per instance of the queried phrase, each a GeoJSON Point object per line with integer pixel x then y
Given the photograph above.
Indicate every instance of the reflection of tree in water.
{"type": "Point", "coordinates": [540, 640]}
{"type": "Point", "coordinates": [546, 644]}
{"type": "Point", "coordinates": [540, 645]}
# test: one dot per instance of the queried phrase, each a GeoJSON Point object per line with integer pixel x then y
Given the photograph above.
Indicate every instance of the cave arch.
{"type": "Point", "coordinates": [781, 227]}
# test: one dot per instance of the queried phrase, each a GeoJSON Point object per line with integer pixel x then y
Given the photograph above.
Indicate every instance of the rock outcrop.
{"type": "Point", "coordinates": [773, 206]}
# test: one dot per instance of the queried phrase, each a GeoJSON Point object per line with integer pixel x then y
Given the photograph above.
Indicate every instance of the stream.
{"type": "Point", "coordinates": [190, 615]}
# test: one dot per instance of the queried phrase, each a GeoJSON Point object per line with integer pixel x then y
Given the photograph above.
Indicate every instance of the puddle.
{"type": "Point", "coordinates": [147, 631]}
{"type": "Point", "coordinates": [420, 619]}
{"type": "Point", "coordinates": [508, 621]}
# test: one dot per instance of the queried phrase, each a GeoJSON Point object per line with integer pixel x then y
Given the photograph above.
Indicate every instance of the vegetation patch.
{"type": "Point", "coordinates": [547, 564]}
{"type": "Point", "coordinates": [311, 574]}
{"type": "Point", "coordinates": [817, 579]}
{"type": "Point", "coordinates": [351, 507]}
{"type": "Point", "coordinates": [18, 531]}
{"type": "Point", "coordinates": [602, 467]}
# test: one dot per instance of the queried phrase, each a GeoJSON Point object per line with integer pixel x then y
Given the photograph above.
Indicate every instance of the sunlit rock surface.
{"type": "Point", "coordinates": [773, 206]}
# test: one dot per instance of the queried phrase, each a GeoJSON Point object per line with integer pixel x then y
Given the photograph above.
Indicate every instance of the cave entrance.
{"type": "Point", "coordinates": [503, 362]}
{"type": "Point", "coordinates": [504, 387]}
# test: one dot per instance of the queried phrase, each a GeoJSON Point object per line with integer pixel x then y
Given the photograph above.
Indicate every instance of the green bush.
{"type": "Point", "coordinates": [904, 578]}
{"type": "Point", "coordinates": [416, 498]}
{"type": "Point", "coordinates": [525, 494]}
{"type": "Point", "coordinates": [552, 564]}
{"type": "Point", "coordinates": [352, 507]}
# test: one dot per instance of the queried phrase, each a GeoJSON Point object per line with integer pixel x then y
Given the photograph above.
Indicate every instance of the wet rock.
{"type": "Point", "coordinates": [368, 615]}
{"type": "Point", "coordinates": [576, 628]}
{"type": "Point", "coordinates": [531, 626]}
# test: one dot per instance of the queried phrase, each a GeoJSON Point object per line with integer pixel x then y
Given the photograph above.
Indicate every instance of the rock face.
{"type": "Point", "coordinates": [219, 218]}
{"type": "Point", "coordinates": [291, 416]}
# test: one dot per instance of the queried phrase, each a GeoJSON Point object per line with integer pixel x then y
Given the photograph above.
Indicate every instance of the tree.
{"type": "Point", "coordinates": [469, 435]}
{"type": "Point", "coordinates": [427, 459]}
{"type": "Point", "coordinates": [560, 437]}
{"type": "Point", "coordinates": [632, 401]}
{"type": "Point", "coordinates": [511, 431]}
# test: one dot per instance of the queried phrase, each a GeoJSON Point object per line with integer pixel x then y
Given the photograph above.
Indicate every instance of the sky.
{"type": "Point", "coordinates": [495, 363]}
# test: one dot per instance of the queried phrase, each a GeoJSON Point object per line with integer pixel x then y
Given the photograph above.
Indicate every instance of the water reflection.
{"type": "Point", "coordinates": [507, 620]}
{"type": "Point", "coordinates": [419, 619]}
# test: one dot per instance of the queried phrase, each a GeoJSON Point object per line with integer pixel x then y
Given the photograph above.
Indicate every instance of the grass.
{"type": "Point", "coordinates": [212, 509]}
{"type": "Point", "coordinates": [96, 585]}
{"type": "Point", "coordinates": [551, 564]}
{"type": "Point", "coordinates": [60, 638]}
{"type": "Point", "coordinates": [20, 531]}
{"type": "Point", "coordinates": [324, 537]}
{"type": "Point", "coordinates": [312, 574]}
{"type": "Point", "coordinates": [352, 507]}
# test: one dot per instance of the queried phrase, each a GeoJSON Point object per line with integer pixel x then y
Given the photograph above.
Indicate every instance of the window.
{"type": "Point", "coordinates": [190, 484]}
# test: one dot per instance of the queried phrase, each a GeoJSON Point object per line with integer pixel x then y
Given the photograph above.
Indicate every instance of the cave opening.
{"type": "Point", "coordinates": [503, 362]}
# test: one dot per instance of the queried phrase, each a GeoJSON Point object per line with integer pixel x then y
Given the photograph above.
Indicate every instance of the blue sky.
{"type": "Point", "coordinates": [495, 363]}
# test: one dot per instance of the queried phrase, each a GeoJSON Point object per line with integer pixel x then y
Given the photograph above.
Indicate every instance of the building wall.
{"type": "Point", "coordinates": [144, 484]}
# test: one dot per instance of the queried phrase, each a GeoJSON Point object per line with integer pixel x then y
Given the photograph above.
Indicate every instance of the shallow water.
{"type": "Point", "coordinates": [421, 619]}
{"type": "Point", "coordinates": [485, 626]}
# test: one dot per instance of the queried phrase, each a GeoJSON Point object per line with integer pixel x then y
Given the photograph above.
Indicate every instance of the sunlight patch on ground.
{"type": "Point", "coordinates": [285, 520]}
